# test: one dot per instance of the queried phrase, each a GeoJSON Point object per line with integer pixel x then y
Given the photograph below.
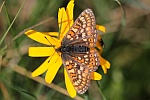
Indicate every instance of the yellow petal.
{"type": "Point", "coordinates": [65, 19]}
{"type": "Point", "coordinates": [41, 51]}
{"type": "Point", "coordinates": [104, 64]}
{"type": "Point", "coordinates": [51, 33]}
{"type": "Point", "coordinates": [53, 68]}
{"type": "Point", "coordinates": [69, 12]}
{"type": "Point", "coordinates": [42, 68]}
{"type": "Point", "coordinates": [63, 23]}
{"type": "Point", "coordinates": [60, 17]}
{"type": "Point", "coordinates": [41, 37]}
{"type": "Point", "coordinates": [96, 76]}
{"type": "Point", "coordinates": [101, 28]}
{"type": "Point", "coordinates": [69, 86]}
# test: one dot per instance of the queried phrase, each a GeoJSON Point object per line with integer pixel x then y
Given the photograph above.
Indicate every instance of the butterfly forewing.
{"type": "Point", "coordinates": [83, 30]}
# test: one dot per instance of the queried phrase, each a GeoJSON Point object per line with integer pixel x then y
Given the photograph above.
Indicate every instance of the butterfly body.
{"type": "Point", "coordinates": [73, 49]}
{"type": "Point", "coordinates": [78, 52]}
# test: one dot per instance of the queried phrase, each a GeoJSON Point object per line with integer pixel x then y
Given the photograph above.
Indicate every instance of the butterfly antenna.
{"type": "Point", "coordinates": [60, 27]}
{"type": "Point", "coordinates": [52, 45]}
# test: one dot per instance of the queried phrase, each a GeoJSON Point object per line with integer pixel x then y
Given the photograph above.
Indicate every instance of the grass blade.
{"type": "Point", "coordinates": [3, 37]}
{"type": "Point", "coordinates": [2, 6]}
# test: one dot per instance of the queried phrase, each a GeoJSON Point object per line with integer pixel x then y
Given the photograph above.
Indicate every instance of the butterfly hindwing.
{"type": "Point", "coordinates": [89, 59]}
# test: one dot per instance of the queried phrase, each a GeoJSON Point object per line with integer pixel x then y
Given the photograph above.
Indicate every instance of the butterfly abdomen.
{"type": "Point", "coordinates": [74, 49]}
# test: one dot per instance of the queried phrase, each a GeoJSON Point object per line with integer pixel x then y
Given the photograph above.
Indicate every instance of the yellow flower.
{"type": "Point", "coordinates": [54, 61]}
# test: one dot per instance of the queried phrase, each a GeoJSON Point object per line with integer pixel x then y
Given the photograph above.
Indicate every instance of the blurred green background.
{"type": "Point", "coordinates": [127, 48]}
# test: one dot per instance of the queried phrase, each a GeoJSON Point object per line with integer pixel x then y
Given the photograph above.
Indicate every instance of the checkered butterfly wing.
{"type": "Point", "coordinates": [89, 59]}
{"type": "Point", "coordinates": [80, 67]}
{"type": "Point", "coordinates": [83, 31]}
{"type": "Point", "coordinates": [79, 75]}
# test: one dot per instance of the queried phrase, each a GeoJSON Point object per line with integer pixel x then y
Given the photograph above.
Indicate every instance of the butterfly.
{"type": "Point", "coordinates": [78, 52]}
